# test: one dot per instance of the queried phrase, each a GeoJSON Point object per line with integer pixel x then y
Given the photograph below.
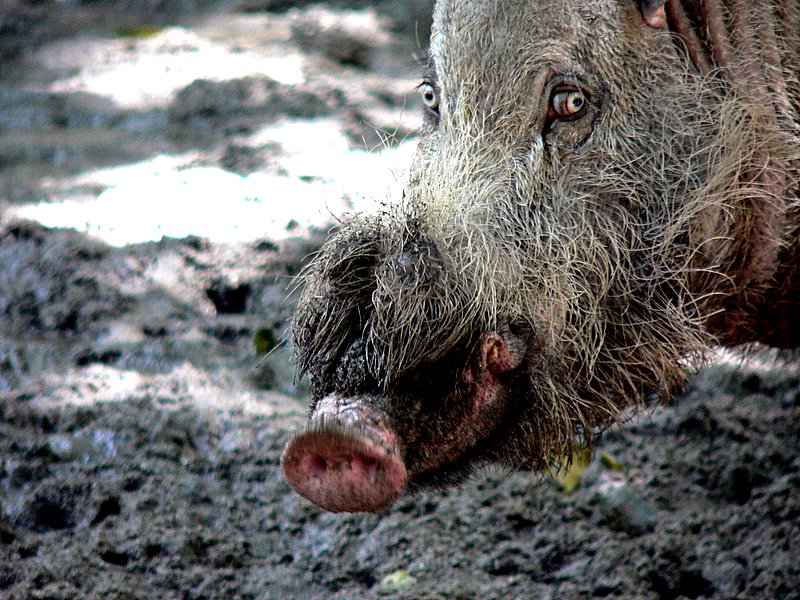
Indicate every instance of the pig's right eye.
{"type": "Point", "coordinates": [430, 97]}
{"type": "Point", "coordinates": [568, 104]}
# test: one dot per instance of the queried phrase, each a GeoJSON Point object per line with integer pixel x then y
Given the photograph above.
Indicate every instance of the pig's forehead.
{"type": "Point", "coordinates": [507, 34]}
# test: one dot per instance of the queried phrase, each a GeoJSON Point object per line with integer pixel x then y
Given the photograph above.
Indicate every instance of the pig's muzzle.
{"type": "Point", "coordinates": [347, 460]}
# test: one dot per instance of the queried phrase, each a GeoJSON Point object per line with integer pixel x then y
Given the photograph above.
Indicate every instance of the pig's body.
{"type": "Point", "coordinates": [602, 192]}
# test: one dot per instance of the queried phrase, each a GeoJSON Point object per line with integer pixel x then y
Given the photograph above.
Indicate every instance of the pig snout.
{"type": "Point", "coordinates": [347, 460]}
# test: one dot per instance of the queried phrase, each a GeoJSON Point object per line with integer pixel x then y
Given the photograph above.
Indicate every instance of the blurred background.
{"type": "Point", "coordinates": [133, 120]}
{"type": "Point", "coordinates": [235, 132]}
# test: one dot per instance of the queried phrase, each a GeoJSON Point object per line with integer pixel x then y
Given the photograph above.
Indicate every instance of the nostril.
{"type": "Point", "coordinates": [315, 464]}
{"type": "Point", "coordinates": [365, 465]}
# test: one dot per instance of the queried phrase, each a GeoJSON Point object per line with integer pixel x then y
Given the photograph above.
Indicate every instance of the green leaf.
{"type": "Point", "coordinates": [568, 477]}
{"type": "Point", "coordinates": [142, 31]}
{"type": "Point", "coordinates": [611, 463]}
{"type": "Point", "coordinates": [264, 340]}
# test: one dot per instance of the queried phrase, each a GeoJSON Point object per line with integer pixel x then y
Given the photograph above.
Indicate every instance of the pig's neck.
{"type": "Point", "coordinates": [757, 51]}
{"type": "Point", "coordinates": [778, 318]}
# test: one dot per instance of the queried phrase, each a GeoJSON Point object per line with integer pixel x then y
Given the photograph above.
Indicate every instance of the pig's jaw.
{"type": "Point", "coordinates": [460, 442]}
{"type": "Point", "coordinates": [351, 459]}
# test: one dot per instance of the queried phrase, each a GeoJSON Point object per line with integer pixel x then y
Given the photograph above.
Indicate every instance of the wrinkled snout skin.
{"type": "Point", "coordinates": [602, 192]}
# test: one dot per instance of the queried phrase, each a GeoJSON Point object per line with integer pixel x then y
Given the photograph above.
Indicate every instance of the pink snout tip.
{"type": "Point", "coordinates": [342, 471]}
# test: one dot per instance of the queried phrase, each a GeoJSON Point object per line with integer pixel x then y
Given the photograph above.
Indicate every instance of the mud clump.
{"type": "Point", "coordinates": [55, 289]}
{"type": "Point", "coordinates": [243, 104]}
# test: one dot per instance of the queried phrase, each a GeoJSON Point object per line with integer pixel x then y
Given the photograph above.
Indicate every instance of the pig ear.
{"type": "Point", "coordinates": [501, 351]}
{"type": "Point", "coordinates": [654, 13]}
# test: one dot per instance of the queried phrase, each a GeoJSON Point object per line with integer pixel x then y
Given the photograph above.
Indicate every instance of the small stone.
{"type": "Point", "coordinates": [620, 508]}
{"type": "Point", "coordinates": [60, 445]}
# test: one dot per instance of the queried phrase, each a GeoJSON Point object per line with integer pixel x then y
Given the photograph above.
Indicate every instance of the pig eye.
{"type": "Point", "coordinates": [569, 103]}
{"type": "Point", "coordinates": [430, 97]}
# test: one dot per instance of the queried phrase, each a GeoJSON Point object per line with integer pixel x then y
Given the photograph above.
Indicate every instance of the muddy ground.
{"type": "Point", "coordinates": [140, 429]}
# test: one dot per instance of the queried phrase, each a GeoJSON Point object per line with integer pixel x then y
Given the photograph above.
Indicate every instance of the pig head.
{"type": "Point", "coordinates": [599, 196]}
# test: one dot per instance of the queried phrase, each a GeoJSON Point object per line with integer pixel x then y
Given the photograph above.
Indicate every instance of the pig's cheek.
{"type": "Point", "coordinates": [485, 388]}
